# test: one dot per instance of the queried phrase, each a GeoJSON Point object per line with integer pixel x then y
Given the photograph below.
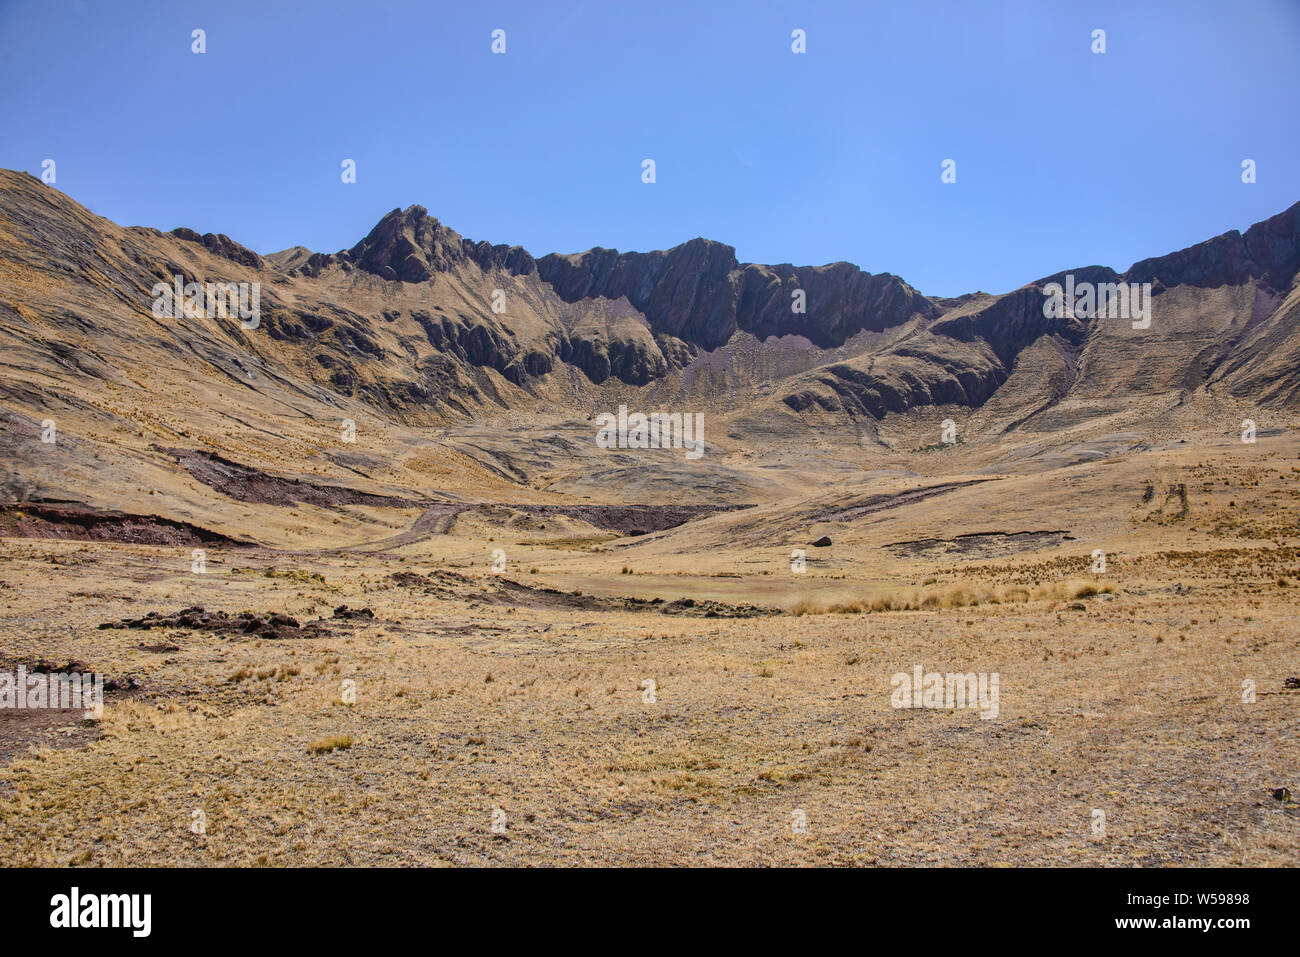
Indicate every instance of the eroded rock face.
{"type": "Point", "coordinates": [930, 372]}
{"type": "Point", "coordinates": [1269, 251]}
{"type": "Point", "coordinates": [407, 245]}
{"type": "Point", "coordinates": [959, 360]}
{"type": "Point", "coordinates": [698, 293]}
{"type": "Point", "coordinates": [1015, 320]}
{"type": "Point", "coordinates": [513, 259]}
{"type": "Point", "coordinates": [411, 246]}
{"type": "Point", "coordinates": [689, 292]}
{"type": "Point", "coordinates": [467, 339]}
{"type": "Point", "coordinates": [841, 301]}
{"type": "Point", "coordinates": [221, 245]}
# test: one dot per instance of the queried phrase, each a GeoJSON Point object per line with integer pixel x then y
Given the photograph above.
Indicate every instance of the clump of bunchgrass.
{"type": "Point", "coordinates": [331, 742]}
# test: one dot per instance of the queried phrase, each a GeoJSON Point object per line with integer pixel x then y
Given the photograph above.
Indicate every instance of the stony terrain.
{"type": "Point", "coordinates": [366, 590]}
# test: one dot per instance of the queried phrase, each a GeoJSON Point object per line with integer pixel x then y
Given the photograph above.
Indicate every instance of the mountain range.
{"type": "Point", "coordinates": [416, 327]}
{"type": "Point", "coordinates": [404, 319]}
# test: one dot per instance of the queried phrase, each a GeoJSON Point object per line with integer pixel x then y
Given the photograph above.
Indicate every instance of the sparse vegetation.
{"type": "Point", "coordinates": [529, 691]}
{"type": "Point", "coordinates": [949, 598]}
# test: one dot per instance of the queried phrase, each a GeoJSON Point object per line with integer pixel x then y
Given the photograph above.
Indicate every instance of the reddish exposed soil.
{"type": "Point", "coordinates": [879, 503]}
{"type": "Point", "coordinates": [247, 484]}
{"type": "Point", "coordinates": [86, 524]}
{"type": "Point", "coordinates": [23, 728]}
{"type": "Point", "coordinates": [631, 519]}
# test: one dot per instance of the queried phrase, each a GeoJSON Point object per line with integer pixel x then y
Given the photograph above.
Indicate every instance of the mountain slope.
{"type": "Point", "coordinates": [418, 323]}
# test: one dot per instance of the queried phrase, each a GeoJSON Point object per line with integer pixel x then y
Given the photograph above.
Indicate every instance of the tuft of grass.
{"type": "Point", "coordinates": [1089, 590]}
{"type": "Point", "coordinates": [955, 597]}
{"type": "Point", "coordinates": [855, 607]}
{"type": "Point", "coordinates": [332, 742]}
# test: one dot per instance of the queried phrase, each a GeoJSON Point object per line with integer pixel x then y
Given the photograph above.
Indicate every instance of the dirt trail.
{"type": "Point", "coordinates": [625, 519]}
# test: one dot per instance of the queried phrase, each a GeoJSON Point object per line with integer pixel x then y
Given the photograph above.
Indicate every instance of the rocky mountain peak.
{"type": "Point", "coordinates": [407, 245]}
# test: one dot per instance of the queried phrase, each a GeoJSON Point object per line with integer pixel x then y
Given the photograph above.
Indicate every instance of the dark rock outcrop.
{"type": "Point", "coordinates": [411, 246]}
{"type": "Point", "coordinates": [221, 245]}
{"type": "Point", "coordinates": [1269, 251]}
{"type": "Point", "coordinates": [1015, 320]}
{"type": "Point", "coordinates": [698, 293]}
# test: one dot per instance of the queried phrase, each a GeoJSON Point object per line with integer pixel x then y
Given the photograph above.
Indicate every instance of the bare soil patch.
{"type": "Point", "coordinates": [22, 729]}
{"type": "Point", "coordinates": [978, 544]}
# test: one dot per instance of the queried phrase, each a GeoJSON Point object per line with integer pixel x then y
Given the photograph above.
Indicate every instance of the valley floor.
{"type": "Point", "coordinates": [498, 723]}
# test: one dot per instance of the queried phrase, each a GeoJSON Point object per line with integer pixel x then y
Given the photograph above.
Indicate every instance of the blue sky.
{"type": "Point", "coordinates": [1064, 157]}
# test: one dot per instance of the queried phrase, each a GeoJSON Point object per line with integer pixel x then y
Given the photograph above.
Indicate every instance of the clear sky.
{"type": "Point", "coordinates": [1063, 157]}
